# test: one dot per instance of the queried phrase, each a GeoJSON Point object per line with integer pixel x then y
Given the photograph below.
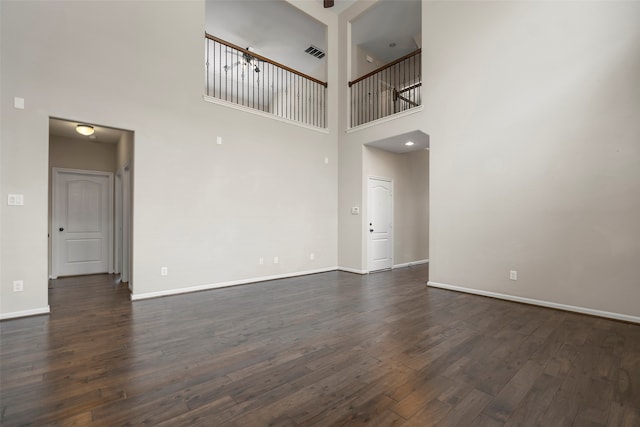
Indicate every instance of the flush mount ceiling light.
{"type": "Point", "coordinates": [409, 143]}
{"type": "Point", "coordinates": [85, 130]}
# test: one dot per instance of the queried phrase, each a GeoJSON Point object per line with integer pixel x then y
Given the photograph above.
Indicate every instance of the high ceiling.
{"type": "Point", "coordinates": [274, 28]}
{"type": "Point", "coordinates": [389, 29]}
{"type": "Point", "coordinates": [279, 31]}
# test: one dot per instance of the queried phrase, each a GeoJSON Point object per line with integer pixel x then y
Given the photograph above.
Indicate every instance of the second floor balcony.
{"type": "Point", "coordinates": [390, 89]}
{"type": "Point", "coordinates": [242, 77]}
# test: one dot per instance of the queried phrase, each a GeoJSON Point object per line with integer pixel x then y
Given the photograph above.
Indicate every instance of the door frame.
{"type": "Point", "coordinates": [117, 235]}
{"type": "Point", "coordinates": [123, 221]}
{"type": "Point", "coordinates": [54, 216]}
{"type": "Point", "coordinates": [368, 220]}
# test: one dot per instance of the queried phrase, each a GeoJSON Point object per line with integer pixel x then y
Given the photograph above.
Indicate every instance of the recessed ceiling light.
{"type": "Point", "coordinates": [85, 130]}
{"type": "Point", "coordinates": [409, 143]}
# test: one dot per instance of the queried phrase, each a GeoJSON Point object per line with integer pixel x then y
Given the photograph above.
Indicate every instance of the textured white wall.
{"type": "Point", "coordinates": [206, 211]}
{"type": "Point", "coordinates": [533, 109]}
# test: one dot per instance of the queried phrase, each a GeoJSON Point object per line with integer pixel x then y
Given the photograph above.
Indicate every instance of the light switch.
{"type": "Point", "coordinates": [355, 210]}
{"type": "Point", "coordinates": [219, 140]}
{"type": "Point", "coordinates": [18, 103]}
{"type": "Point", "coordinates": [15, 200]}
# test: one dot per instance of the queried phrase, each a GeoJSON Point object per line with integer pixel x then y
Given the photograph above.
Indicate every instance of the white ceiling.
{"type": "Point", "coordinates": [396, 144]}
{"type": "Point", "coordinates": [281, 32]}
{"type": "Point", "coordinates": [274, 28]}
{"type": "Point", "coordinates": [67, 129]}
{"type": "Point", "coordinates": [387, 22]}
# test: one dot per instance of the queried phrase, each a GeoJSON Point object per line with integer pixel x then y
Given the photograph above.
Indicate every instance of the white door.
{"type": "Point", "coordinates": [380, 224]}
{"type": "Point", "coordinates": [81, 222]}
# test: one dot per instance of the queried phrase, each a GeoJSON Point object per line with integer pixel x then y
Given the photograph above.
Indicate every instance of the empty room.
{"type": "Point", "coordinates": [319, 213]}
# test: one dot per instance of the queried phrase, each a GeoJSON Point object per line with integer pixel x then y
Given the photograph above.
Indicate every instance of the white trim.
{"type": "Point", "coordinates": [54, 236]}
{"type": "Point", "coordinates": [135, 297]}
{"type": "Point", "coordinates": [222, 102]}
{"type": "Point", "coordinates": [386, 119]}
{"type": "Point", "coordinates": [25, 313]}
{"type": "Point", "coordinates": [582, 310]}
{"type": "Point", "coordinates": [411, 264]}
{"type": "Point", "coordinates": [127, 221]}
{"type": "Point", "coordinates": [353, 270]}
{"type": "Point", "coordinates": [117, 220]}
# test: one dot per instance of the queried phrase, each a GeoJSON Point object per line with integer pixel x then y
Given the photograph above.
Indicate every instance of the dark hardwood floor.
{"type": "Point", "coordinates": [321, 350]}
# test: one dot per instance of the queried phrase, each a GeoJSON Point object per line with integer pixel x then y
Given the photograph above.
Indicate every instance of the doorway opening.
{"type": "Point", "coordinates": [402, 161]}
{"type": "Point", "coordinates": [90, 200]}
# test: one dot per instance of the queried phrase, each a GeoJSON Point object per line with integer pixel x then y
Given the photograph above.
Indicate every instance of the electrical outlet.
{"type": "Point", "coordinates": [275, 260]}
{"type": "Point", "coordinates": [261, 261]}
{"type": "Point", "coordinates": [18, 286]}
{"type": "Point", "coordinates": [513, 275]}
{"type": "Point", "coordinates": [164, 271]}
{"type": "Point", "coordinates": [312, 256]}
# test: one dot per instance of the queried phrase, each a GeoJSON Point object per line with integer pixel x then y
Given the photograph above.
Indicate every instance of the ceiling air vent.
{"type": "Point", "coordinates": [314, 51]}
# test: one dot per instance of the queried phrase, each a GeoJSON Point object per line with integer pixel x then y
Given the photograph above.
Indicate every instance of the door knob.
{"type": "Point", "coordinates": [61, 229]}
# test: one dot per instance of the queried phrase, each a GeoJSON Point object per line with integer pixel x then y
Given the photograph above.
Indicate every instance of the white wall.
{"type": "Point", "coordinates": [533, 112]}
{"type": "Point", "coordinates": [206, 211]}
{"type": "Point", "coordinates": [359, 64]}
{"type": "Point", "coordinates": [73, 153]}
{"type": "Point", "coordinates": [352, 238]}
{"type": "Point", "coordinates": [533, 109]}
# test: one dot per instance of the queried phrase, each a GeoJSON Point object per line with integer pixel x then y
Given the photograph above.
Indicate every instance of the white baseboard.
{"type": "Point", "coordinates": [147, 295]}
{"type": "Point", "coordinates": [412, 263]}
{"type": "Point", "coordinates": [352, 270]}
{"type": "Point", "coordinates": [25, 313]}
{"type": "Point", "coordinates": [582, 310]}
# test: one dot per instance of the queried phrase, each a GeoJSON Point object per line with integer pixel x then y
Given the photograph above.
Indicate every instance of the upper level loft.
{"type": "Point", "coordinates": [386, 76]}
{"type": "Point", "coordinates": [267, 56]}
{"type": "Point", "coordinates": [270, 57]}
{"type": "Point", "coordinates": [240, 76]}
{"type": "Point", "coordinates": [387, 90]}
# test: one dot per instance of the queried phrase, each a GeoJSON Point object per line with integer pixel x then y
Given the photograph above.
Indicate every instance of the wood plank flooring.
{"type": "Point", "coordinates": [329, 349]}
